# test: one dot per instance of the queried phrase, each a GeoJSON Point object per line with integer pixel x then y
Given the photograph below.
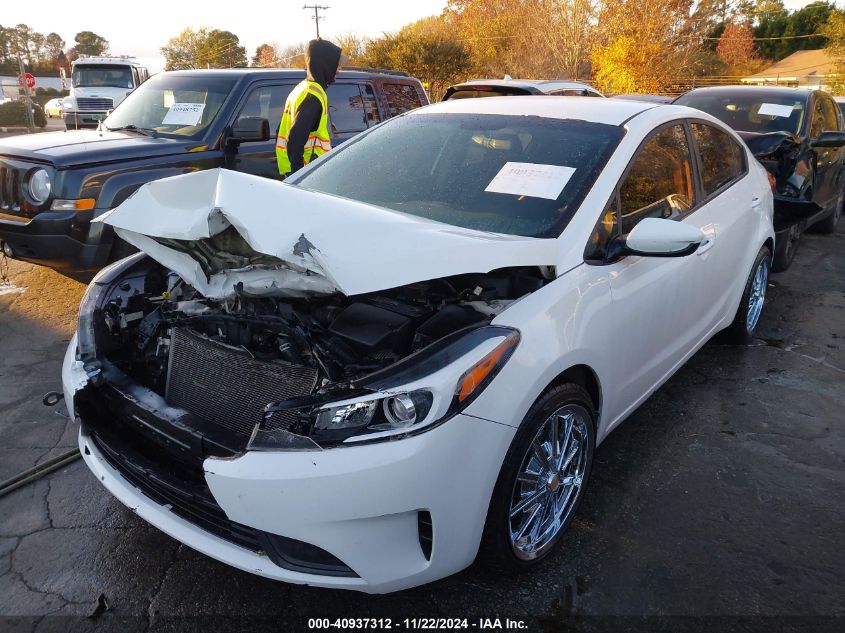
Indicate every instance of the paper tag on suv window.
{"type": "Point", "coordinates": [531, 179]}
{"type": "Point", "coordinates": [775, 109]}
{"type": "Point", "coordinates": [183, 114]}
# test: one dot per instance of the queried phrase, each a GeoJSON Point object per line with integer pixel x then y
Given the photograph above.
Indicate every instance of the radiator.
{"type": "Point", "coordinates": [225, 385]}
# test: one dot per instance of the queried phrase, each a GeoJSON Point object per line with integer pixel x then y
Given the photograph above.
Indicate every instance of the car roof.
{"type": "Point", "coordinates": [762, 91]}
{"type": "Point", "coordinates": [275, 73]}
{"type": "Point", "coordinates": [643, 97]}
{"type": "Point", "coordinates": [609, 111]}
{"type": "Point", "coordinates": [543, 85]}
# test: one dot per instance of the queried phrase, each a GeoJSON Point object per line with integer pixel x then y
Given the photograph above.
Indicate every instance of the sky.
{"type": "Point", "coordinates": [141, 28]}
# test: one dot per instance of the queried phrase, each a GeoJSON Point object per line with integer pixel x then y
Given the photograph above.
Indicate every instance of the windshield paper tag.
{"type": "Point", "coordinates": [531, 179]}
{"type": "Point", "coordinates": [775, 109]}
{"type": "Point", "coordinates": [183, 114]}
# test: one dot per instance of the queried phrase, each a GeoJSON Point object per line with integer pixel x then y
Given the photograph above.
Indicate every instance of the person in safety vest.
{"type": "Point", "coordinates": [304, 130]}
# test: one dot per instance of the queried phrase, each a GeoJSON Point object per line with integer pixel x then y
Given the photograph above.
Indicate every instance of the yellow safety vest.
{"type": "Point", "coordinates": [318, 141]}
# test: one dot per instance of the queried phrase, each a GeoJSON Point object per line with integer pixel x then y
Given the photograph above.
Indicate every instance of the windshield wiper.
{"type": "Point", "coordinates": [133, 128]}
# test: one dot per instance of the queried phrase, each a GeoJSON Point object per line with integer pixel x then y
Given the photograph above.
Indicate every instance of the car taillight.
{"type": "Point", "coordinates": [772, 181]}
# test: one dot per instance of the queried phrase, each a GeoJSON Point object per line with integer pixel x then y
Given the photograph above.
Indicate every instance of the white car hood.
{"type": "Point", "coordinates": [323, 243]}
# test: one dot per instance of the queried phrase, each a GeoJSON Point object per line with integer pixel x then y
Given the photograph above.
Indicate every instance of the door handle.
{"type": "Point", "coordinates": [756, 201]}
{"type": "Point", "coordinates": [706, 245]}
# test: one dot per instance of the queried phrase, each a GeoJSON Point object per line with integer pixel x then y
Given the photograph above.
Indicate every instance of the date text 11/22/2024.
{"type": "Point", "coordinates": [417, 624]}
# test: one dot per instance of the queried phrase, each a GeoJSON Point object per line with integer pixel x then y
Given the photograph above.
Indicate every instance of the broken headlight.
{"type": "Point", "coordinates": [86, 331]}
{"type": "Point", "coordinates": [416, 394]}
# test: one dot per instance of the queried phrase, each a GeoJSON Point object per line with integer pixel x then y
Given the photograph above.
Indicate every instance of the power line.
{"type": "Point", "coordinates": [317, 8]}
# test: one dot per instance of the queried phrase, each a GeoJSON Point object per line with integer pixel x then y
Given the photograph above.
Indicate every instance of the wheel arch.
{"type": "Point", "coordinates": [584, 376]}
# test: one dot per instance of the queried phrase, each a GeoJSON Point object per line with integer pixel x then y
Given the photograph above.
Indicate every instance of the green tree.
{"type": "Point", "coordinates": [53, 48]}
{"type": "Point", "coordinates": [89, 43]}
{"type": "Point", "coordinates": [221, 49]}
{"type": "Point", "coordinates": [426, 49]}
{"type": "Point", "coordinates": [834, 31]}
{"type": "Point", "coordinates": [203, 48]}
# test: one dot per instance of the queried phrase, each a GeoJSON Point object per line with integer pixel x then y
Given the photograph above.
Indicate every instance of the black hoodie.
{"type": "Point", "coordinates": [321, 60]}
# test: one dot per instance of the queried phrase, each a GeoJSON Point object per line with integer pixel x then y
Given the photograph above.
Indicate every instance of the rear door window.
{"type": "Point", "coordinates": [346, 108]}
{"type": "Point", "coordinates": [370, 105]}
{"type": "Point", "coordinates": [722, 159]}
{"type": "Point", "coordinates": [401, 98]}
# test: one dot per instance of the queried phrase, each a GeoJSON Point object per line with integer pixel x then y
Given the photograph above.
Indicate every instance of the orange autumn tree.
{"type": "Point", "coordinates": [737, 50]}
{"type": "Point", "coordinates": [643, 44]}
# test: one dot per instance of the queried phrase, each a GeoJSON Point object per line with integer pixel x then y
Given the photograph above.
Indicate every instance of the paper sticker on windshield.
{"type": "Point", "coordinates": [531, 179]}
{"type": "Point", "coordinates": [775, 109]}
{"type": "Point", "coordinates": [184, 114]}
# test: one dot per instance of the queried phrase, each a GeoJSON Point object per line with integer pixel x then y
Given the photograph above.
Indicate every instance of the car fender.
{"type": "Point", "coordinates": [561, 326]}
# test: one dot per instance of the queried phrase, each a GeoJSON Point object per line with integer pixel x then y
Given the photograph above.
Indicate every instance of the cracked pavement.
{"type": "Point", "coordinates": [723, 495]}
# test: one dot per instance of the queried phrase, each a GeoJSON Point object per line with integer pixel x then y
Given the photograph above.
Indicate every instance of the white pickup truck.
{"type": "Point", "coordinates": [98, 85]}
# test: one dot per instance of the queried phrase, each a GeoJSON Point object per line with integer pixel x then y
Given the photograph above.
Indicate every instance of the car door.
{"type": "Point", "coordinates": [266, 101]}
{"type": "Point", "coordinates": [728, 215]}
{"type": "Point", "coordinates": [828, 161]}
{"type": "Point", "coordinates": [652, 297]}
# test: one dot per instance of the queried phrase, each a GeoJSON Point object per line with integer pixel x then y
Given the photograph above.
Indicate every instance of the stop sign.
{"type": "Point", "coordinates": [29, 78]}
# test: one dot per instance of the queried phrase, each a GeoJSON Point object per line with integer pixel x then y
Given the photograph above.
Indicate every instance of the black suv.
{"type": "Point", "coordinates": [53, 184]}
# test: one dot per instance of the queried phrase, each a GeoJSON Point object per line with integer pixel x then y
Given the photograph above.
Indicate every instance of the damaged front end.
{"type": "Point", "coordinates": [215, 377]}
{"type": "Point", "coordinates": [789, 161]}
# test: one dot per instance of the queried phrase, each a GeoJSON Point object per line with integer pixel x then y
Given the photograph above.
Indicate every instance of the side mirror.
{"type": "Point", "coordinates": [831, 138]}
{"type": "Point", "coordinates": [658, 237]}
{"type": "Point", "coordinates": [249, 129]}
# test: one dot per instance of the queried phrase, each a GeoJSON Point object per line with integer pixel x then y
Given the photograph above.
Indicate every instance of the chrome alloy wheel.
{"type": "Point", "coordinates": [549, 480]}
{"type": "Point", "coordinates": [757, 296]}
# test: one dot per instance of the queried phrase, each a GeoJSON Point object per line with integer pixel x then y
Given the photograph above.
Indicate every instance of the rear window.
{"type": "Point", "coordinates": [485, 92]}
{"type": "Point", "coordinates": [751, 112]}
{"type": "Point", "coordinates": [519, 175]}
{"type": "Point", "coordinates": [401, 98]}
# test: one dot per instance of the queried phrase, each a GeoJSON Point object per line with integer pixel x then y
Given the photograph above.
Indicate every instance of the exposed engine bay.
{"type": "Point", "coordinates": [225, 360]}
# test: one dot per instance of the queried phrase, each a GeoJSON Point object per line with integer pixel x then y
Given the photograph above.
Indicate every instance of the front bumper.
{"type": "Point", "coordinates": [63, 240]}
{"type": "Point", "coordinates": [74, 120]}
{"type": "Point", "coordinates": [360, 504]}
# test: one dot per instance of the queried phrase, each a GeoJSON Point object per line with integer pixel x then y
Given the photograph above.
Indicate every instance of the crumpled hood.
{"type": "Point", "coordinates": [300, 242]}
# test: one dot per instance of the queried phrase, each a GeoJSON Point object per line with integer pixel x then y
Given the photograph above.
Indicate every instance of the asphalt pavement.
{"type": "Point", "coordinates": [718, 505]}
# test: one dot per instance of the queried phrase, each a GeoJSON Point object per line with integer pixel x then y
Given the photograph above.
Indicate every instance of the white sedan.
{"type": "Point", "coordinates": [404, 356]}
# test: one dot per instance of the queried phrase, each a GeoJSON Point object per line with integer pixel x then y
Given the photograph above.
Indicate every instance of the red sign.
{"type": "Point", "coordinates": [29, 78]}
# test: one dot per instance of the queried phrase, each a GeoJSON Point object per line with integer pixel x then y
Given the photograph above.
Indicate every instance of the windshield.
{"type": "Point", "coordinates": [751, 112]}
{"type": "Point", "coordinates": [104, 75]}
{"type": "Point", "coordinates": [518, 175]}
{"type": "Point", "coordinates": [172, 105]}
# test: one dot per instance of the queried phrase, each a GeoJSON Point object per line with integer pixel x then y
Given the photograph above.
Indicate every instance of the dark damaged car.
{"type": "Point", "coordinates": [797, 134]}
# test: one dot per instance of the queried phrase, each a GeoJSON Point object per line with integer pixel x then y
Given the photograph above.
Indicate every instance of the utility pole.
{"type": "Point", "coordinates": [317, 8]}
{"type": "Point", "coordinates": [30, 118]}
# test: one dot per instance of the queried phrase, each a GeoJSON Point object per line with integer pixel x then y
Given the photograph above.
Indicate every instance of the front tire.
{"type": "Point", "coordinates": [542, 480]}
{"type": "Point", "coordinates": [747, 316]}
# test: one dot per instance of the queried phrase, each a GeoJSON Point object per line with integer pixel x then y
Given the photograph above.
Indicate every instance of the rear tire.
{"type": "Point", "coordinates": [828, 225]}
{"type": "Point", "coordinates": [548, 480]}
{"type": "Point", "coordinates": [750, 308]}
{"type": "Point", "coordinates": [786, 245]}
